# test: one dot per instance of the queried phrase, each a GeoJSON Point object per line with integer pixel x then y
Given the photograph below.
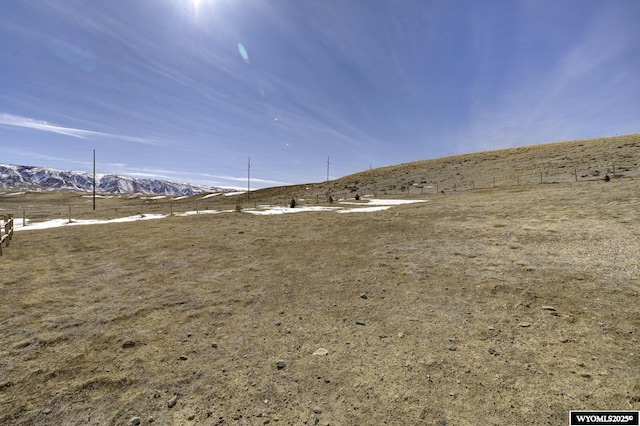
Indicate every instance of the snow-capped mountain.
{"type": "Point", "coordinates": [45, 179]}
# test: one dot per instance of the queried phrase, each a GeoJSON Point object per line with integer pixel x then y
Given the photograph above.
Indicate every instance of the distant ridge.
{"type": "Point", "coordinates": [31, 178]}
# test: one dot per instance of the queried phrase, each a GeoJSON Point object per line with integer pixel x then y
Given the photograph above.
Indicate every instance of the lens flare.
{"type": "Point", "coordinates": [243, 52]}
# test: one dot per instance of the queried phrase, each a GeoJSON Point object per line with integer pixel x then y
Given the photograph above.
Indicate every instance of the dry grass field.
{"type": "Point", "coordinates": [489, 305]}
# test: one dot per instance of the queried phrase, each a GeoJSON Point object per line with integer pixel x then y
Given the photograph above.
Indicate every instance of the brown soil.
{"type": "Point", "coordinates": [506, 305]}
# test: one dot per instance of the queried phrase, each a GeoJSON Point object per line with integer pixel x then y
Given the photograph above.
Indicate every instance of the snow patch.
{"type": "Point", "coordinates": [383, 202]}
{"type": "Point", "coordinates": [194, 213]}
{"type": "Point", "coordinates": [215, 194]}
{"type": "Point", "coordinates": [365, 209]}
{"type": "Point", "coordinates": [269, 210]}
{"type": "Point", "coordinates": [371, 206]}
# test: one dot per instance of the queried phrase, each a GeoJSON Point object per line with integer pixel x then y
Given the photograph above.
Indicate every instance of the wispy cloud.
{"type": "Point", "coordinates": [29, 123]}
{"type": "Point", "coordinates": [575, 96]}
{"type": "Point", "coordinates": [244, 179]}
{"type": "Point", "coordinates": [44, 126]}
{"type": "Point", "coordinates": [22, 157]}
{"type": "Point", "coordinates": [184, 176]}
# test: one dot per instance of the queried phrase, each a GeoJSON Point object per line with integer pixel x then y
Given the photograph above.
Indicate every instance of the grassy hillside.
{"type": "Point", "coordinates": [591, 159]}
{"type": "Point", "coordinates": [571, 161]}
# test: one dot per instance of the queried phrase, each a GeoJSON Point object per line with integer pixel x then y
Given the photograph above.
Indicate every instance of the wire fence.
{"type": "Point", "coordinates": [469, 181]}
{"type": "Point", "coordinates": [74, 208]}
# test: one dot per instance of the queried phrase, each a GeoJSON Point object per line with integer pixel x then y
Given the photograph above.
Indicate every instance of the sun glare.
{"type": "Point", "coordinates": [195, 4]}
{"type": "Point", "coordinates": [194, 7]}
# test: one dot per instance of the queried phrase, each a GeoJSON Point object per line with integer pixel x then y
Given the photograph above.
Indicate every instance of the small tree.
{"type": "Point", "coordinates": [293, 203]}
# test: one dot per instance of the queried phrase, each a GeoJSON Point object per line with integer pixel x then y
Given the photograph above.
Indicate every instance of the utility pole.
{"type": "Point", "coordinates": [94, 180]}
{"type": "Point", "coordinates": [327, 169]}
{"type": "Point", "coordinates": [249, 178]}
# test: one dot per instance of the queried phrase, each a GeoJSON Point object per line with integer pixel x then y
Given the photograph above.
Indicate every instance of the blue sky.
{"type": "Point", "coordinates": [188, 90]}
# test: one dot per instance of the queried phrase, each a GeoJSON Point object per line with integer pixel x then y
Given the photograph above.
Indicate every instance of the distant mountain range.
{"type": "Point", "coordinates": [44, 179]}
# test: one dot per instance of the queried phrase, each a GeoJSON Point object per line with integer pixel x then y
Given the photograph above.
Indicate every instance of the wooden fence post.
{"type": "Point", "coordinates": [8, 228]}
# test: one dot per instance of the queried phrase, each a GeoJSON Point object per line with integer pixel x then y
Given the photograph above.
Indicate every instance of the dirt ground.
{"type": "Point", "coordinates": [497, 306]}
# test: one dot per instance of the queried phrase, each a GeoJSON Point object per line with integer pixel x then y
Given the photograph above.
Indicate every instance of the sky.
{"type": "Point", "coordinates": [259, 93]}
